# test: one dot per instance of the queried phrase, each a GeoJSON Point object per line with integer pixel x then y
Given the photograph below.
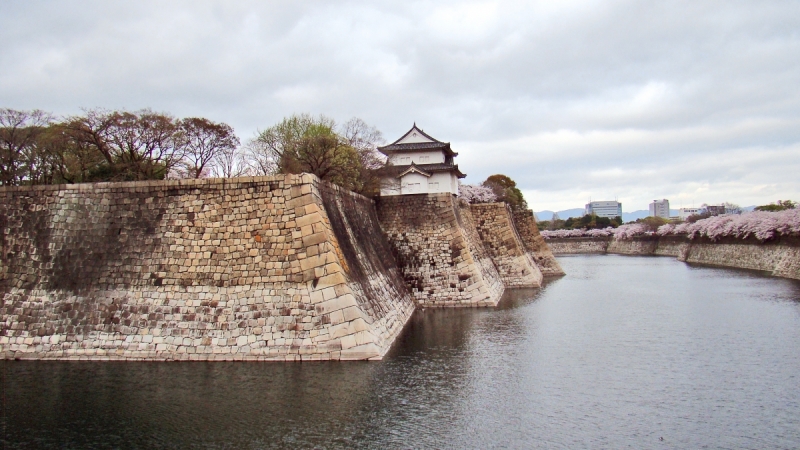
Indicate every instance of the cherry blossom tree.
{"type": "Point", "coordinates": [476, 194]}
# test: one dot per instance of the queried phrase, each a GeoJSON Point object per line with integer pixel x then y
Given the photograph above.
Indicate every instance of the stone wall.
{"type": "Point", "coordinates": [780, 257]}
{"type": "Point", "coordinates": [438, 250]}
{"type": "Point", "coordinates": [285, 268]}
{"type": "Point", "coordinates": [677, 246]}
{"type": "Point", "coordinates": [645, 245]}
{"type": "Point", "coordinates": [567, 246]}
{"type": "Point", "coordinates": [495, 225]}
{"type": "Point", "coordinates": [535, 244]}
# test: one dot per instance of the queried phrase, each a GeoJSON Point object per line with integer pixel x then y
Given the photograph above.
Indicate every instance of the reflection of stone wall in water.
{"type": "Point", "coordinates": [535, 244]}
{"type": "Point", "coordinates": [281, 267]}
{"type": "Point", "coordinates": [496, 228]}
{"type": "Point", "coordinates": [438, 250]}
{"type": "Point", "coordinates": [781, 256]}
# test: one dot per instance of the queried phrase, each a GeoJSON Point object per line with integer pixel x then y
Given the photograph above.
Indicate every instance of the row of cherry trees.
{"type": "Point", "coordinates": [761, 225]}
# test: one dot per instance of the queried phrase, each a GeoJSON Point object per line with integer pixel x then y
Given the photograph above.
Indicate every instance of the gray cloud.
{"type": "Point", "coordinates": [692, 101]}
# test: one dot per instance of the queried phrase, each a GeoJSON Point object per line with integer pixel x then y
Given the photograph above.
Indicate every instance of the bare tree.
{"type": "Point", "coordinates": [259, 159]}
{"type": "Point", "coordinates": [365, 139]}
{"type": "Point", "coordinates": [201, 141]}
{"type": "Point", "coordinates": [230, 163]}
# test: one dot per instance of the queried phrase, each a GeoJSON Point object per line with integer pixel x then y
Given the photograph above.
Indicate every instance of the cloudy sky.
{"type": "Point", "coordinates": [691, 101]}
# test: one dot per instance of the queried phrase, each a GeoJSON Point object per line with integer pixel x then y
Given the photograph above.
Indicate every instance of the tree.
{"type": "Point", "coordinates": [20, 161]}
{"type": "Point", "coordinates": [781, 205]}
{"type": "Point", "coordinates": [365, 139]}
{"type": "Point", "coordinates": [506, 191]}
{"type": "Point", "coordinates": [651, 223]}
{"type": "Point", "coordinates": [732, 208]}
{"type": "Point", "coordinates": [302, 143]}
{"type": "Point", "coordinates": [230, 163]}
{"type": "Point", "coordinates": [139, 145]}
{"type": "Point", "coordinates": [201, 141]}
{"type": "Point", "coordinates": [476, 194]}
{"type": "Point", "coordinates": [70, 160]}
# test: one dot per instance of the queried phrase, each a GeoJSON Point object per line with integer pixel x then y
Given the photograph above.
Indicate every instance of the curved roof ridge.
{"type": "Point", "coordinates": [414, 127]}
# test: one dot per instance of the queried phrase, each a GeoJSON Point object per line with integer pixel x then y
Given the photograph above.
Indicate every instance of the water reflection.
{"type": "Point", "coordinates": [619, 353]}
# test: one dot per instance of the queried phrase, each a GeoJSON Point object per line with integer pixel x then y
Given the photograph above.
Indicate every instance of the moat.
{"type": "Point", "coordinates": [620, 353]}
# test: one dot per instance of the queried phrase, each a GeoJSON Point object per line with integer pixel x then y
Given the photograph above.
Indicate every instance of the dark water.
{"type": "Point", "coordinates": [620, 353]}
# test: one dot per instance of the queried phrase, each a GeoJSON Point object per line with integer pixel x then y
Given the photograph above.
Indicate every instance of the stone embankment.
{"type": "Point", "coordinates": [780, 257]}
{"type": "Point", "coordinates": [268, 268]}
{"type": "Point", "coordinates": [438, 249]}
{"type": "Point", "coordinates": [535, 244]}
{"type": "Point", "coordinates": [495, 225]}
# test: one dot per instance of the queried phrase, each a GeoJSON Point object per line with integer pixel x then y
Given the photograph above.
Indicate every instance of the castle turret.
{"type": "Point", "coordinates": [419, 164]}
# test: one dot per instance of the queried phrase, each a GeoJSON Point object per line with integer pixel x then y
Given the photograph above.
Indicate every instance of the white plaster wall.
{"type": "Point", "coordinates": [406, 158]}
{"type": "Point", "coordinates": [390, 187]}
{"type": "Point", "coordinates": [413, 138]}
{"type": "Point", "coordinates": [414, 183]}
{"type": "Point", "coordinates": [441, 182]}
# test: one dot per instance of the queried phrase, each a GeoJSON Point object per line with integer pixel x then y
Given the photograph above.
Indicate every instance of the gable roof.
{"type": "Point", "coordinates": [413, 168]}
{"type": "Point", "coordinates": [415, 136]}
{"type": "Point", "coordinates": [422, 169]}
{"type": "Point", "coordinates": [415, 139]}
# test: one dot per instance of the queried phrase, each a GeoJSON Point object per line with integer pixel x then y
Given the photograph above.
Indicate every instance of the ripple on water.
{"type": "Point", "coordinates": [619, 353]}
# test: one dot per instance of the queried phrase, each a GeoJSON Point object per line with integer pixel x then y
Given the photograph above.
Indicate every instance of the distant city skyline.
{"type": "Point", "coordinates": [697, 102]}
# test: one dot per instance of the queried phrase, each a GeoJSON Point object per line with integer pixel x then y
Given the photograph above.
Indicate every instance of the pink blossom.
{"type": "Point", "coordinates": [476, 194]}
{"type": "Point", "coordinates": [631, 230]}
{"type": "Point", "coordinates": [560, 234]}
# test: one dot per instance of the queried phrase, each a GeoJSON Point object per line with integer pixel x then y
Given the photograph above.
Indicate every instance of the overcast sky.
{"type": "Point", "coordinates": [690, 101]}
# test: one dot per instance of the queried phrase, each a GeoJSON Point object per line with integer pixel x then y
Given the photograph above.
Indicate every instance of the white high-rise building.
{"type": "Point", "coordinates": [604, 209]}
{"type": "Point", "coordinates": [660, 208]}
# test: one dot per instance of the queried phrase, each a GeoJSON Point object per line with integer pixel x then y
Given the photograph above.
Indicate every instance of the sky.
{"type": "Point", "coordinates": [697, 102]}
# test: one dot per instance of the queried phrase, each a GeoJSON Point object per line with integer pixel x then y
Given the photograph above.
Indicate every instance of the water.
{"type": "Point", "coordinates": [621, 353]}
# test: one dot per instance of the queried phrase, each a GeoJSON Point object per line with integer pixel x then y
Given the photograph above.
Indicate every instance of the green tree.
{"type": "Point", "coordinates": [302, 143]}
{"type": "Point", "coordinates": [506, 191]}
{"type": "Point", "coordinates": [781, 205]}
{"type": "Point", "coordinates": [652, 223]}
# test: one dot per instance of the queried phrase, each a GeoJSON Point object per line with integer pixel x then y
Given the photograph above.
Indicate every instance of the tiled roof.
{"type": "Point", "coordinates": [399, 148]}
{"type": "Point", "coordinates": [394, 171]}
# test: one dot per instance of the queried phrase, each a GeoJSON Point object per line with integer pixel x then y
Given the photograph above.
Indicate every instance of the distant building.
{"type": "Point", "coordinates": [419, 164]}
{"type": "Point", "coordinates": [660, 208]}
{"type": "Point", "coordinates": [684, 213]}
{"type": "Point", "coordinates": [604, 209]}
{"type": "Point", "coordinates": [715, 210]}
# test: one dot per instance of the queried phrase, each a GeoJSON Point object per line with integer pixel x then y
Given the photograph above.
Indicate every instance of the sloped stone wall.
{"type": "Point", "coordinates": [438, 250]}
{"type": "Point", "coordinates": [496, 228]}
{"type": "Point", "coordinates": [780, 257]}
{"type": "Point", "coordinates": [677, 246]}
{"type": "Point", "coordinates": [535, 244]}
{"type": "Point", "coordinates": [568, 246]}
{"type": "Point", "coordinates": [645, 245]}
{"type": "Point", "coordinates": [285, 268]}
